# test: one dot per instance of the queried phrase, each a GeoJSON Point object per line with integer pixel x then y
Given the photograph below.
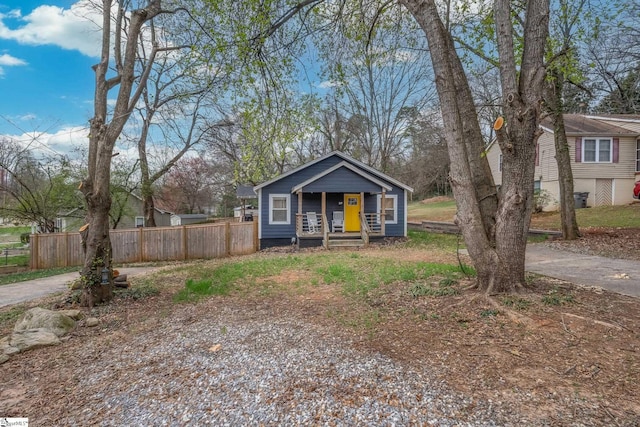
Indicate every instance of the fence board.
{"type": "Point", "coordinates": [149, 244]}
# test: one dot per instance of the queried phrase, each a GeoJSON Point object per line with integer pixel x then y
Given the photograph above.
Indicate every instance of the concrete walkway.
{"type": "Point", "coordinates": [618, 275]}
{"type": "Point", "coordinates": [31, 289]}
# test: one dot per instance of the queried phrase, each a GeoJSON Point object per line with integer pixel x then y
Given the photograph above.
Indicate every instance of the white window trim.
{"type": "Point", "coordinates": [395, 207]}
{"type": "Point", "coordinates": [288, 202]}
{"type": "Point", "coordinates": [598, 140]}
{"type": "Point", "coordinates": [637, 155]}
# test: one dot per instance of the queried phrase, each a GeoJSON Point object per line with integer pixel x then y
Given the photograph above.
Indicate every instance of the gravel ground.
{"type": "Point", "coordinates": [232, 369]}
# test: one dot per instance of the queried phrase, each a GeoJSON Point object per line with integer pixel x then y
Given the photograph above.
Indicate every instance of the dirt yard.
{"type": "Point", "coordinates": [563, 355]}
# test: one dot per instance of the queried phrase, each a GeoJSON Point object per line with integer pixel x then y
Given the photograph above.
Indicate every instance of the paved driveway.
{"type": "Point", "coordinates": [618, 275]}
{"type": "Point", "coordinates": [32, 289]}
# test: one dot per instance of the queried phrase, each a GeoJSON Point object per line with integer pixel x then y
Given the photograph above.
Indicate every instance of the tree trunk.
{"type": "Point", "coordinates": [495, 228]}
{"type": "Point", "coordinates": [555, 105]}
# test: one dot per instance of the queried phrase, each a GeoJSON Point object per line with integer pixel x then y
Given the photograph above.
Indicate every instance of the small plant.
{"type": "Point", "coordinates": [516, 303]}
{"type": "Point", "coordinates": [541, 198]}
{"type": "Point", "coordinates": [489, 313]}
{"type": "Point", "coordinates": [422, 289]}
{"type": "Point", "coordinates": [196, 289]}
{"type": "Point", "coordinates": [555, 297]}
{"type": "Point", "coordinates": [144, 290]}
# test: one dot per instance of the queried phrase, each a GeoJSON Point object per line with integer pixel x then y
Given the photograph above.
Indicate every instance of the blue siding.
{"type": "Point", "coordinates": [343, 180]}
{"type": "Point", "coordinates": [335, 185]}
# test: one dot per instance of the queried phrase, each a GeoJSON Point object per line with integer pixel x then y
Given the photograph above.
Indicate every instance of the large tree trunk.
{"type": "Point", "coordinates": [553, 99]}
{"type": "Point", "coordinates": [102, 139]}
{"type": "Point", "coordinates": [495, 229]}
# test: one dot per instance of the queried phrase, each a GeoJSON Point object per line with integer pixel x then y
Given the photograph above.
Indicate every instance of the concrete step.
{"type": "Point", "coordinates": [346, 243]}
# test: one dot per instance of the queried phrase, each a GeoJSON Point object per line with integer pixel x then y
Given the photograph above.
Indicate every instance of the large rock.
{"type": "Point", "coordinates": [33, 338]}
{"type": "Point", "coordinates": [3, 358]}
{"type": "Point", "coordinates": [6, 348]}
{"type": "Point", "coordinates": [40, 318]}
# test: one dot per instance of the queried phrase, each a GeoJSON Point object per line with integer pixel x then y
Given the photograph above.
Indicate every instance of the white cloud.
{"type": "Point", "coordinates": [63, 141]}
{"type": "Point", "coordinates": [77, 28]}
{"type": "Point", "coordinates": [7, 60]}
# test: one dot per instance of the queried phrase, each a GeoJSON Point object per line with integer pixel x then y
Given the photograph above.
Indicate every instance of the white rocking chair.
{"type": "Point", "coordinates": [337, 223]}
{"type": "Point", "coordinates": [312, 223]}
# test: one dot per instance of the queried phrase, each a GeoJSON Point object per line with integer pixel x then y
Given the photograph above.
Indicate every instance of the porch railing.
{"type": "Point", "coordinates": [317, 225]}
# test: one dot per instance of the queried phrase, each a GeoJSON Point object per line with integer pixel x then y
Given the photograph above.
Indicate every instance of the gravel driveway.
{"type": "Point", "coordinates": [231, 368]}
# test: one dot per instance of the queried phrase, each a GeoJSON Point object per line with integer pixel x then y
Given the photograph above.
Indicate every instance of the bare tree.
{"type": "Point", "coordinates": [35, 190]}
{"type": "Point", "coordinates": [494, 226]}
{"type": "Point", "coordinates": [375, 60]}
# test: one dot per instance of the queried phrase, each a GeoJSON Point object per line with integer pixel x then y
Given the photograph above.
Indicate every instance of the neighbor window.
{"type": "Point", "coordinates": [279, 208]}
{"type": "Point", "coordinates": [390, 208]}
{"type": "Point", "coordinates": [596, 150]}
{"type": "Point", "coordinates": [139, 221]}
{"type": "Point", "coordinates": [638, 155]}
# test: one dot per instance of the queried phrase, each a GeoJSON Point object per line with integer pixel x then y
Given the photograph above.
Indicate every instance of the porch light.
{"type": "Point", "coordinates": [105, 276]}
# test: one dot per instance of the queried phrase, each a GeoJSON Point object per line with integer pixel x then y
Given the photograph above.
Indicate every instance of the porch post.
{"type": "Point", "coordinates": [324, 208]}
{"type": "Point", "coordinates": [382, 211]}
{"type": "Point", "coordinates": [299, 216]}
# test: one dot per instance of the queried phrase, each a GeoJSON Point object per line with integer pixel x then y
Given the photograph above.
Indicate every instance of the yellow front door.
{"type": "Point", "coordinates": [352, 212]}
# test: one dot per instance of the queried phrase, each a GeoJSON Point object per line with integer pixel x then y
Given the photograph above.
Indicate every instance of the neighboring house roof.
{"type": "Point", "coordinates": [156, 203]}
{"type": "Point", "coordinates": [190, 216]}
{"type": "Point", "coordinates": [579, 124]}
{"type": "Point", "coordinates": [371, 171]}
{"type": "Point", "coordinates": [245, 192]}
{"type": "Point", "coordinates": [593, 125]}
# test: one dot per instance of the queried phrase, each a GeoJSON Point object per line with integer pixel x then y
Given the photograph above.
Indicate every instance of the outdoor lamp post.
{"type": "Point", "coordinates": [6, 256]}
{"type": "Point", "coordinates": [105, 276]}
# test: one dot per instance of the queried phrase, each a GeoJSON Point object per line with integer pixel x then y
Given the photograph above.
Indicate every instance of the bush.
{"type": "Point", "coordinates": [25, 238]}
{"type": "Point", "coordinates": [541, 198]}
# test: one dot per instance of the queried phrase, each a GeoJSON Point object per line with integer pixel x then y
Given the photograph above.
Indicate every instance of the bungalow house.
{"type": "Point", "coordinates": [605, 158]}
{"type": "Point", "coordinates": [331, 201]}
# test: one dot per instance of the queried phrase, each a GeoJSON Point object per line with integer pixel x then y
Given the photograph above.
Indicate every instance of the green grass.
{"type": "Point", "coordinates": [30, 275]}
{"type": "Point", "coordinates": [355, 275]}
{"type": "Point", "coordinates": [626, 216]}
{"type": "Point", "coordinates": [432, 211]}
{"type": "Point", "coordinates": [426, 240]}
{"type": "Point", "coordinates": [12, 234]}
{"type": "Point", "coordinates": [19, 260]}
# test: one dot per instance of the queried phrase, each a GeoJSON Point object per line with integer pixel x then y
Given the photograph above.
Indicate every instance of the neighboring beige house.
{"type": "Point", "coordinates": [605, 158]}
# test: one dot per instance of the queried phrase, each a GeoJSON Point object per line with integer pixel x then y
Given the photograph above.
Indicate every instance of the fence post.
{"type": "Point", "coordinates": [185, 245]}
{"type": "Point", "coordinates": [140, 248]}
{"type": "Point", "coordinates": [33, 241]}
{"type": "Point", "coordinates": [227, 238]}
{"type": "Point", "coordinates": [256, 242]}
{"type": "Point", "coordinates": [66, 249]}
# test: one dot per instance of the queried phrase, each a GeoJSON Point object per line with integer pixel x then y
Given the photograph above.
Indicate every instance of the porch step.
{"type": "Point", "coordinates": [346, 243]}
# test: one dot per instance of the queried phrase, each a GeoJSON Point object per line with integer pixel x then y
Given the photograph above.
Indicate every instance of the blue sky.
{"type": "Point", "coordinates": [46, 82]}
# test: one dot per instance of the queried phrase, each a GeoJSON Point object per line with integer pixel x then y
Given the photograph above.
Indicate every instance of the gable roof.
{"type": "Point", "coordinates": [369, 170]}
{"type": "Point", "coordinates": [342, 164]}
{"type": "Point", "coordinates": [245, 192]}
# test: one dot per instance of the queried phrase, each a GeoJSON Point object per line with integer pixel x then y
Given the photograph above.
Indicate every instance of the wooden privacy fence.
{"type": "Point", "coordinates": [150, 244]}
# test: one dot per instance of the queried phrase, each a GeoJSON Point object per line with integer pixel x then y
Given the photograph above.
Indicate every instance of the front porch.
{"type": "Point", "coordinates": [340, 221]}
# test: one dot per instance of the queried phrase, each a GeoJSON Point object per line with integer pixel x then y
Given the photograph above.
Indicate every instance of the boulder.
{"type": "Point", "coordinates": [3, 358]}
{"type": "Point", "coordinates": [91, 322]}
{"type": "Point", "coordinates": [33, 338]}
{"type": "Point", "coordinates": [40, 318]}
{"type": "Point", "coordinates": [74, 314]}
{"type": "Point", "coordinates": [6, 348]}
